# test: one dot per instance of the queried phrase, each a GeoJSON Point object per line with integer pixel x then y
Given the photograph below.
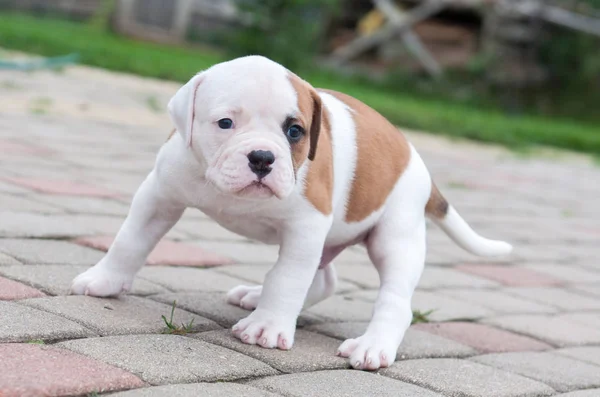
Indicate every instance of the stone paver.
{"type": "Point", "coordinates": [499, 301]}
{"type": "Point", "coordinates": [561, 373]}
{"type": "Point", "coordinates": [554, 330]}
{"type": "Point", "coordinates": [24, 224]}
{"type": "Point", "coordinates": [311, 351]}
{"type": "Point", "coordinates": [484, 338]}
{"type": "Point", "coordinates": [339, 384]}
{"type": "Point", "coordinates": [188, 279]}
{"type": "Point", "coordinates": [12, 290]}
{"type": "Point", "coordinates": [510, 275]}
{"type": "Point", "coordinates": [440, 277]}
{"type": "Point", "coordinates": [162, 359]}
{"type": "Point", "coordinates": [22, 324]}
{"type": "Point", "coordinates": [416, 344]}
{"type": "Point", "coordinates": [56, 279]}
{"type": "Point", "coordinates": [588, 289]}
{"type": "Point", "coordinates": [6, 260]}
{"type": "Point", "coordinates": [581, 393]}
{"type": "Point", "coordinates": [61, 187]}
{"type": "Point", "coordinates": [342, 308]}
{"type": "Point", "coordinates": [463, 378]}
{"type": "Point", "coordinates": [125, 315]}
{"type": "Point", "coordinates": [16, 203]}
{"type": "Point", "coordinates": [36, 370]}
{"type": "Point", "coordinates": [197, 389]}
{"type": "Point", "coordinates": [588, 318]}
{"type": "Point", "coordinates": [557, 297]}
{"type": "Point", "coordinates": [590, 354]}
{"type": "Point", "coordinates": [242, 252]}
{"type": "Point", "coordinates": [571, 274]}
{"type": "Point", "coordinates": [40, 252]}
{"type": "Point", "coordinates": [166, 252]}
{"type": "Point", "coordinates": [445, 308]}
{"type": "Point", "coordinates": [86, 205]}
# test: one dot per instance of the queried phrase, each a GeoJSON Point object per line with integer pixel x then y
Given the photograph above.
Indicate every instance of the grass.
{"type": "Point", "coordinates": [176, 329]}
{"type": "Point", "coordinates": [36, 342]}
{"type": "Point", "coordinates": [421, 317]}
{"type": "Point", "coordinates": [52, 37]}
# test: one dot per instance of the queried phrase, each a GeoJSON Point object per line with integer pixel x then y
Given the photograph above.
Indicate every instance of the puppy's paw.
{"type": "Point", "coordinates": [99, 281]}
{"type": "Point", "coordinates": [369, 352]}
{"type": "Point", "coordinates": [266, 330]}
{"type": "Point", "coordinates": [244, 296]}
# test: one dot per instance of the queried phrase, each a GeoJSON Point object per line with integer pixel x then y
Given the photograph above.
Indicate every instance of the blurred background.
{"type": "Point", "coordinates": [516, 72]}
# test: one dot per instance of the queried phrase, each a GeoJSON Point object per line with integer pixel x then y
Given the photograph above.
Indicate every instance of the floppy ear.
{"type": "Point", "coordinates": [315, 124]}
{"type": "Point", "coordinates": [181, 107]}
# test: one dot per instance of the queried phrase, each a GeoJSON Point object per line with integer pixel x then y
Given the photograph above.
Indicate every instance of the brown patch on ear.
{"type": "Point", "coordinates": [437, 206]}
{"type": "Point", "coordinates": [319, 179]}
{"type": "Point", "coordinates": [382, 156]}
{"type": "Point", "coordinates": [315, 121]}
{"type": "Point", "coordinates": [171, 134]}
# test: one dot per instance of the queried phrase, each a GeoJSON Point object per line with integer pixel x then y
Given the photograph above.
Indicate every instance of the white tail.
{"type": "Point", "coordinates": [461, 233]}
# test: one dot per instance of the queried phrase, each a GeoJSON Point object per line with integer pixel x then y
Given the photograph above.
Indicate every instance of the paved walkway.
{"type": "Point", "coordinates": [76, 144]}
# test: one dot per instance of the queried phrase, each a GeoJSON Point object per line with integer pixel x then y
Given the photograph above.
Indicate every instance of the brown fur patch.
{"type": "Point", "coordinates": [171, 134]}
{"type": "Point", "coordinates": [315, 121]}
{"type": "Point", "coordinates": [383, 154]}
{"type": "Point", "coordinates": [437, 206]}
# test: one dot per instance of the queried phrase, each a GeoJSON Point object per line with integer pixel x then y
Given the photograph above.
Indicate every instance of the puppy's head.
{"type": "Point", "coordinates": [252, 123]}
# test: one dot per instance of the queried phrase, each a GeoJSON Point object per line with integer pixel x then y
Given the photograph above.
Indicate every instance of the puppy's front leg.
{"type": "Point", "coordinates": [152, 214]}
{"type": "Point", "coordinates": [273, 323]}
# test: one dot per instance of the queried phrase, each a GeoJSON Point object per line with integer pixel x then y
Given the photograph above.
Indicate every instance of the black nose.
{"type": "Point", "coordinates": [260, 162]}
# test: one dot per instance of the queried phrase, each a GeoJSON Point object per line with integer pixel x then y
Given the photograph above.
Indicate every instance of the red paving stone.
{"type": "Point", "coordinates": [483, 338]}
{"type": "Point", "coordinates": [12, 290]}
{"type": "Point", "coordinates": [11, 147]}
{"type": "Point", "coordinates": [38, 370]}
{"type": "Point", "coordinates": [65, 188]}
{"type": "Point", "coordinates": [511, 275]}
{"type": "Point", "coordinates": [167, 252]}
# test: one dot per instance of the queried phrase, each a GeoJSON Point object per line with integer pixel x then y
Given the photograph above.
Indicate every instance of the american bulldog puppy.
{"type": "Point", "coordinates": [270, 157]}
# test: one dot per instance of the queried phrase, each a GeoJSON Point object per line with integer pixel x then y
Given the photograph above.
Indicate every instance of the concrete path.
{"type": "Point", "coordinates": [75, 145]}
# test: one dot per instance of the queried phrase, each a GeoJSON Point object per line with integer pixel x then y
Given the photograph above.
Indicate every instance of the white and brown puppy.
{"type": "Point", "coordinates": [268, 156]}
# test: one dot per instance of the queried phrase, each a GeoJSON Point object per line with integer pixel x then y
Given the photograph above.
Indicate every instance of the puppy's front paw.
{"type": "Point", "coordinates": [244, 296]}
{"type": "Point", "coordinates": [369, 352]}
{"type": "Point", "coordinates": [266, 330]}
{"type": "Point", "coordinates": [99, 281]}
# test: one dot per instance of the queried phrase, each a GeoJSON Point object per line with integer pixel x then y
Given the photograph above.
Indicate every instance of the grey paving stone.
{"type": "Point", "coordinates": [163, 359]}
{"type": "Point", "coordinates": [125, 315]}
{"type": "Point", "coordinates": [557, 297]}
{"type": "Point", "coordinates": [462, 378]}
{"type": "Point", "coordinates": [255, 274]}
{"type": "Point", "coordinates": [342, 308]}
{"type": "Point", "coordinates": [42, 252]}
{"type": "Point", "coordinates": [23, 224]}
{"type": "Point", "coordinates": [213, 305]}
{"type": "Point", "coordinates": [581, 393]}
{"type": "Point", "coordinates": [554, 330]}
{"type": "Point", "coordinates": [242, 252]}
{"type": "Point", "coordinates": [416, 344]}
{"type": "Point", "coordinates": [197, 389]}
{"type": "Point", "coordinates": [56, 279]}
{"type": "Point", "coordinates": [21, 324]}
{"type": "Point", "coordinates": [6, 187]}
{"type": "Point", "coordinates": [561, 373]}
{"type": "Point", "coordinates": [339, 383]}
{"type": "Point", "coordinates": [589, 354]}
{"type": "Point", "coordinates": [86, 205]}
{"type": "Point", "coordinates": [16, 203]}
{"type": "Point", "coordinates": [439, 277]}
{"type": "Point", "coordinates": [189, 279]}
{"type": "Point", "coordinates": [364, 275]}
{"type": "Point", "coordinates": [498, 301]}
{"type": "Point", "coordinates": [6, 260]}
{"type": "Point", "coordinates": [311, 351]}
{"type": "Point", "coordinates": [446, 308]}
{"type": "Point", "coordinates": [591, 319]}
{"type": "Point", "coordinates": [587, 289]}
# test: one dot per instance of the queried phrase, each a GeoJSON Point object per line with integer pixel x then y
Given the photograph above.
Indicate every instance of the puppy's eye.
{"type": "Point", "coordinates": [294, 133]}
{"type": "Point", "coordinates": [225, 124]}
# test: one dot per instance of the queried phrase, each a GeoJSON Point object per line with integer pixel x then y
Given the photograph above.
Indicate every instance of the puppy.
{"type": "Point", "coordinates": [269, 157]}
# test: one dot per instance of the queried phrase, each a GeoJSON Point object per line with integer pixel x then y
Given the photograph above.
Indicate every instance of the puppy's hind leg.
{"type": "Point", "coordinates": [152, 214]}
{"type": "Point", "coordinates": [322, 287]}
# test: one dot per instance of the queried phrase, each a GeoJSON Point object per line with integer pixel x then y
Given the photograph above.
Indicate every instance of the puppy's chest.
{"type": "Point", "coordinates": [252, 227]}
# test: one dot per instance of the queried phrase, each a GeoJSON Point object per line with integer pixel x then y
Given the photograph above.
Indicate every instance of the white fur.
{"type": "Point", "coordinates": [206, 167]}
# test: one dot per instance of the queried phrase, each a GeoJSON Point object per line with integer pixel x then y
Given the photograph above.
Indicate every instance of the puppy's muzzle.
{"type": "Point", "coordinates": [260, 162]}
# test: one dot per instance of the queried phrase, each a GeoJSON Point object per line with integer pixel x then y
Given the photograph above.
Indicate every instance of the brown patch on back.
{"type": "Point", "coordinates": [171, 134]}
{"type": "Point", "coordinates": [315, 121]}
{"type": "Point", "coordinates": [383, 154]}
{"type": "Point", "coordinates": [437, 206]}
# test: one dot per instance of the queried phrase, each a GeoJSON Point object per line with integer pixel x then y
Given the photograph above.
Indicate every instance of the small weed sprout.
{"type": "Point", "coordinates": [176, 329]}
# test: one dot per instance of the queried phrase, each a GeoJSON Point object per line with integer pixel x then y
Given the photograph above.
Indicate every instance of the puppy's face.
{"type": "Point", "coordinates": [252, 123]}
